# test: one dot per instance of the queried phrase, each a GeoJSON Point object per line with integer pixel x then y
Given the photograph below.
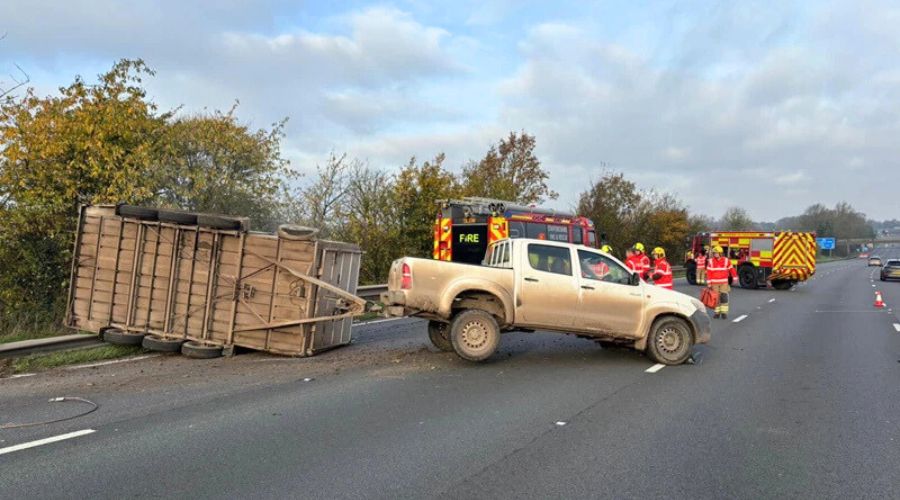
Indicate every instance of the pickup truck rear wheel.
{"type": "Point", "coordinates": [439, 334]}
{"type": "Point", "coordinates": [474, 334]}
{"type": "Point", "coordinates": [670, 342]}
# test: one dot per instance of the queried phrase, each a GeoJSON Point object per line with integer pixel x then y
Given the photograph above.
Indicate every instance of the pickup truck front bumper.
{"type": "Point", "coordinates": [702, 326]}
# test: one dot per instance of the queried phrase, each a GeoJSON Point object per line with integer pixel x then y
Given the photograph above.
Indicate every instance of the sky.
{"type": "Point", "coordinates": [771, 106]}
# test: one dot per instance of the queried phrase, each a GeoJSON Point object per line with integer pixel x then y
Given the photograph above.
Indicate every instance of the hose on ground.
{"type": "Point", "coordinates": [62, 399]}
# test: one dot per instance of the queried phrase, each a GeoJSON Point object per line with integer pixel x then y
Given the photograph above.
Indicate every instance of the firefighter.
{"type": "Point", "coordinates": [719, 272]}
{"type": "Point", "coordinates": [606, 249]}
{"type": "Point", "coordinates": [700, 260]}
{"type": "Point", "coordinates": [639, 261]}
{"type": "Point", "coordinates": [662, 270]}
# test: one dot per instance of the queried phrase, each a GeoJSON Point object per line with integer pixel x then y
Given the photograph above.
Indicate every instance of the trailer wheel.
{"type": "Point", "coordinates": [782, 284]}
{"type": "Point", "coordinates": [178, 217]}
{"type": "Point", "coordinates": [439, 334]}
{"type": "Point", "coordinates": [116, 336]}
{"type": "Point", "coordinates": [671, 341]}
{"type": "Point", "coordinates": [747, 277]}
{"type": "Point", "coordinates": [690, 272]}
{"type": "Point", "coordinates": [222, 222]}
{"type": "Point", "coordinates": [297, 233]}
{"type": "Point", "coordinates": [474, 334]}
{"type": "Point", "coordinates": [136, 212]}
{"type": "Point", "coordinates": [159, 344]}
{"type": "Point", "coordinates": [197, 350]}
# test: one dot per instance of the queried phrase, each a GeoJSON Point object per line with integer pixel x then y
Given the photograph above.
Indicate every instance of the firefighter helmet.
{"type": "Point", "coordinates": [717, 249]}
{"type": "Point", "coordinates": [606, 249]}
{"type": "Point", "coordinates": [639, 246]}
{"type": "Point", "coordinates": [659, 251]}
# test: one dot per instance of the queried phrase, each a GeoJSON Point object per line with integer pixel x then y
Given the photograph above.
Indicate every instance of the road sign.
{"type": "Point", "coordinates": [825, 243]}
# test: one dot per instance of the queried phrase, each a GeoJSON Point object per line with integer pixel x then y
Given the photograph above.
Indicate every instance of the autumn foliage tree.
{"type": "Point", "coordinates": [509, 171]}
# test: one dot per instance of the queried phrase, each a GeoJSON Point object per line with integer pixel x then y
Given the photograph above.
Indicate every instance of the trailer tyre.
{"type": "Point", "coordinates": [475, 335]}
{"type": "Point", "coordinates": [136, 212]}
{"type": "Point", "coordinates": [671, 341]}
{"type": "Point", "coordinates": [116, 336]}
{"type": "Point", "coordinates": [747, 277]}
{"type": "Point", "coordinates": [439, 334]}
{"type": "Point", "coordinates": [196, 350]}
{"type": "Point", "coordinates": [159, 344]}
{"type": "Point", "coordinates": [178, 217]}
{"type": "Point", "coordinates": [297, 233]}
{"type": "Point", "coordinates": [222, 222]}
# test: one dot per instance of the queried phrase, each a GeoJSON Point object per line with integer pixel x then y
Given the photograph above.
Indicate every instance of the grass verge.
{"type": "Point", "coordinates": [38, 362]}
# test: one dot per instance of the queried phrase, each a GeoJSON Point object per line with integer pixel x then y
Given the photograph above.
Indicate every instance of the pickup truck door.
{"type": "Point", "coordinates": [608, 303]}
{"type": "Point", "coordinates": [548, 290]}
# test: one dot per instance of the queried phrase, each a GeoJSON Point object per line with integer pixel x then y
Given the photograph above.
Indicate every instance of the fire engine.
{"type": "Point", "coordinates": [782, 258]}
{"type": "Point", "coordinates": [464, 228]}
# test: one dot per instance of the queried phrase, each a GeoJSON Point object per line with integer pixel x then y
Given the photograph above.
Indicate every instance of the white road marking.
{"type": "Point", "coordinates": [20, 375]}
{"type": "Point", "coordinates": [897, 326]}
{"type": "Point", "coordinates": [771, 300]}
{"type": "Point", "coordinates": [378, 321]}
{"type": "Point", "coordinates": [740, 318]}
{"type": "Point", "coordinates": [112, 362]}
{"type": "Point", "coordinates": [655, 368]}
{"type": "Point", "coordinates": [560, 423]}
{"type": "Point", "coordinates": [40, 442]}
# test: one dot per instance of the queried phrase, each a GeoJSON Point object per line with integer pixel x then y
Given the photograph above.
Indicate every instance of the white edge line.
{"type": "Point", "coordinates": [740, 318]}
{"type": "Point", "coordinates": [20, 375]}
{"type": "Point", "coordinates": [112, 362]}
{"type": "Point", "coordinates": [40, 442]}
{"type": "Point", "coordinates": [361, 323]}
{"type": "Point", "coordinates": [655, 368]}
{"type": "Point", "coordinates": [897, 326]}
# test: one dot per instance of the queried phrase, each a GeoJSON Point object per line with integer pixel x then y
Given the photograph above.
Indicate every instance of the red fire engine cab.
{"type": "Point", "coordinates": [463, 229]}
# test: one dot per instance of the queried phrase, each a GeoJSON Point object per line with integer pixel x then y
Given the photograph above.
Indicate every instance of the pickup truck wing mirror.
{"type": "Point", "coordinates": [635, 278]}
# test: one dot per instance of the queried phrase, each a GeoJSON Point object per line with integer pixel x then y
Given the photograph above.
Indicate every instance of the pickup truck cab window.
{"type": "Point", "coordinates": [550, 259]}
{"type": "Point", "coordinates": [498, 255]}
{"type": "Point", "coordinates": [595, 266]}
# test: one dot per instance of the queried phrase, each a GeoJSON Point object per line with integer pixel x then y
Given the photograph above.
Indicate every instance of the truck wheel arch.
{"type": "Point", "coordinates": [641, 343]}
{"type": "Point", "coordinates": [479, 297]}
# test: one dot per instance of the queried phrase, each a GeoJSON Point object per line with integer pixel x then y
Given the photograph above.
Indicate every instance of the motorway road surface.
{"type": "Point", "coordinates": [799, 398]}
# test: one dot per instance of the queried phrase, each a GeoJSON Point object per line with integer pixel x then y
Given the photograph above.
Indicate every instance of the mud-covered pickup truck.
{"type": "Point", "coordinates": [526, 284]}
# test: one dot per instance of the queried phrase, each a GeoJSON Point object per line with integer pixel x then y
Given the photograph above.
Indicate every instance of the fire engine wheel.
{"type": "Point", "coordinates": [197, 350]}
{"type": "Point", "coordinates": [782, 284]}
{"type": "Point", "coordinates": [690, 272]}
{"type": "Point", "coordinates": [116, 336]}
{"type": "Point", "coordinates": [474, 334]}
{"type": "Point", "coordinates": [747, 277]}
{"type": "Point", "coordinates": [439, 334]}
{"type": "Point", "coordinates": [670, 342]}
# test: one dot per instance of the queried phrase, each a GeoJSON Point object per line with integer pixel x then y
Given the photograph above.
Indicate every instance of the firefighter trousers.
{"type": "Point", "coordinates": [723, 290]}
{"type": "Point", "coordinates": [701, 276]}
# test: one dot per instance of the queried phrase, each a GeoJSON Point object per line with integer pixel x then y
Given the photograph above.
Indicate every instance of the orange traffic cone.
{"type": "Point", "coordinates": [878, 302]}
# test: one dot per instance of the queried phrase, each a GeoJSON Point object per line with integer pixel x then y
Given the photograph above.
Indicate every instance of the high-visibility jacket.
{"type": "Point", "coordinates": [701, 261]}
{"type": "Point", "coordinates": [639, 263]}
{"type": "Point", "coordinates": [718, 269]}
{"type": "Point", "coordinates": [662, 274]}
{"type": "Point", "coordinates": [600, 269]}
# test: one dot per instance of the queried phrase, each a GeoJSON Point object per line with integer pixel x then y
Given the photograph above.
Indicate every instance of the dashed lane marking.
{"type": "Point", "coordinates": [771, 300]}
{"type": "Point", "coordinates": [655, 368]}
{"type": "Point", "coordinates": [897, 326]}
{"type": "Point", "coordinates": [40, 442]}
{"type": "Point", "coordinates": [740, 318]}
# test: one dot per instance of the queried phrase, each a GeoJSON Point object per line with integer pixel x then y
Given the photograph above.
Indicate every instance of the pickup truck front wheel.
{"type": "Point", "coordinates": [439, 334]}
{"type": "Point", "coordinates": [475, 335]}
{"type": "Point", "coordinates": [670, 342]}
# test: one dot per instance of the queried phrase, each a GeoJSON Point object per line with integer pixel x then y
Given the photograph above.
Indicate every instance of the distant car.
{"type": "Point", "coordinates": [890, 270]}
{"type": "Point", "coordinates": [875, 261]}
{"type": "Point", "coordinates": [863, 256]}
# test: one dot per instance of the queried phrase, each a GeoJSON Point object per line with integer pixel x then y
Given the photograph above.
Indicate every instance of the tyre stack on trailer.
{"type": "Point", "coordinates": [201, 284]}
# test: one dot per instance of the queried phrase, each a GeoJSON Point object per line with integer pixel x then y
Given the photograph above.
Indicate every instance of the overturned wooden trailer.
{"type": "Point", "coordinates": [165, 277]}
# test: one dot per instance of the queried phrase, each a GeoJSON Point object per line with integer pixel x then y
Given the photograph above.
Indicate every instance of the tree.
{"type": "Point", "coordinates": [320, 204]}
{"type": "Point", "coordinates": [415, 191]}
{"type": "Point", "coordinates": [610, 202]}
{"type": "Point", "coordinates": [509, 171]}
{"type": "Point", "coordinates": [213, 163]}
{"type": "Point", "coordinates": [735, 219]}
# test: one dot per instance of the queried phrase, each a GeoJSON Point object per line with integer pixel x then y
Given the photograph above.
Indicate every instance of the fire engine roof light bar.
{"type": "Point", "coordinates": [489, 205]}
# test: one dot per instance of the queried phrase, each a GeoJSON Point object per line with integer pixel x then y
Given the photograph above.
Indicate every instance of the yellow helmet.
{"type": "Point", "coordinates": [659, 251]}
{"type": "Point", "coordinates": [606, 249]}
{"type": "Point", "coordinates": [639, 246]}
{"type": "Point", "coordinates": [717, 249]}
